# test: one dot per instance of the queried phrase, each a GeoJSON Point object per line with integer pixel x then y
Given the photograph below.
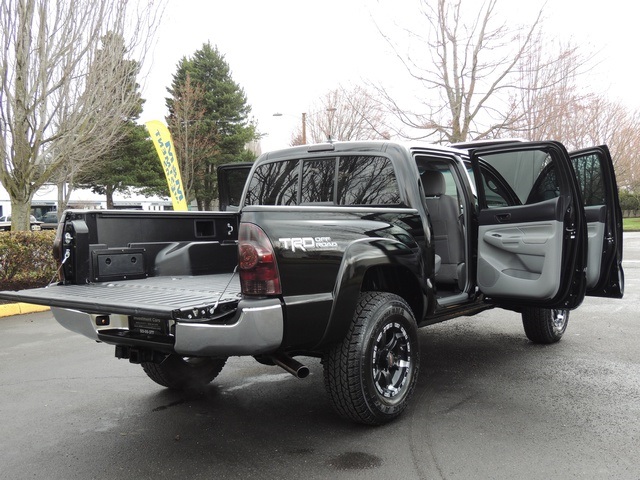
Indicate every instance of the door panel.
{"type": "Point", "coordinates": [596, 179]}
{"type": "Point", "coordinates": [531, 251]}
{"type": "Point", "coordinates": [596, 220]}
{"type": "Point", "coordinates": [520, 259]}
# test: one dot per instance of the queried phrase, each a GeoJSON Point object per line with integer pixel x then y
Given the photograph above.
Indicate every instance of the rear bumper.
{"type": "Point", "coordinates": [257, 328]}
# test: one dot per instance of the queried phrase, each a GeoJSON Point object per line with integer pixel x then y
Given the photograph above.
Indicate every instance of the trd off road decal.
{"type": "Point", "coordinates": [307, 243]}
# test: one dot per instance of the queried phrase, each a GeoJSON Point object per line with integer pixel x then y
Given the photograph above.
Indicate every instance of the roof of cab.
{"type": "Point", "coordinates": [352, 146]}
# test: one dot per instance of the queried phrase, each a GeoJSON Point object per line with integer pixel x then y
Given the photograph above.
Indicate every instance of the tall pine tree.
{"type": "Point", "coordinates": [132, 162]}
{"type": "Point", "coordinates": [221, 121]}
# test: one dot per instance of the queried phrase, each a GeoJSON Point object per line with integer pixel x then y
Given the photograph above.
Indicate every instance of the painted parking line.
{"type": "Point", "coordinates": [11, 309]}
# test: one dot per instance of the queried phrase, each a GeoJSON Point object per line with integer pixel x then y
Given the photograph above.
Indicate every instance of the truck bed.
{"type": "Point", "coordinates": [158, 297]}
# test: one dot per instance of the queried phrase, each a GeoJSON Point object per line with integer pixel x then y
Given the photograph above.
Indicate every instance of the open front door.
{"type": "Point", "coordinates": [531, 230]}
{"type": "Point", "coordinates": [597, 183]}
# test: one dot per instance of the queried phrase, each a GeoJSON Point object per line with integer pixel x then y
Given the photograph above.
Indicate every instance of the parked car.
{"type": "Point", "coordinates": [49, 221]}
{"type": "Point", "coordinates": [5, 223]}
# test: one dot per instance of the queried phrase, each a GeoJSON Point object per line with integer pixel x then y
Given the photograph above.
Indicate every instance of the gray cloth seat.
{"type": "Point", "coordinates": [447, 234]}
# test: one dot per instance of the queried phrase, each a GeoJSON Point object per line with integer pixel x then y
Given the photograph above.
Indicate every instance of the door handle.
{"type": "Point", "coordinates": [503, 217]}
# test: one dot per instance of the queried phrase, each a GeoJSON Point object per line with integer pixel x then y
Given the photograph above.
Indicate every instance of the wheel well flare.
{"type": "Point", "coordinates": [398, 280]}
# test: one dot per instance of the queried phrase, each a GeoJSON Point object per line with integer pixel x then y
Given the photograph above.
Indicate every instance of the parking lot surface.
{"type": "Point", "coordinates": [489, 404]}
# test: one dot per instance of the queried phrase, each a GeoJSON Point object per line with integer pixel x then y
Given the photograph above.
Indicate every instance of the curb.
{"type": "Point", "coordinates": [11, 309]}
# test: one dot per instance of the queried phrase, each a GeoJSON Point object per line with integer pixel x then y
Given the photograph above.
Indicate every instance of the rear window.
{"type": "Point", "coordinates": [274, 184]}
{"type": "Point", "coordinates": [346, 180]}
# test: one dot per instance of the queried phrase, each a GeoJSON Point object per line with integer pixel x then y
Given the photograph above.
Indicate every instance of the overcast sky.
{"type": "Point", "coordinates": [285, 54]}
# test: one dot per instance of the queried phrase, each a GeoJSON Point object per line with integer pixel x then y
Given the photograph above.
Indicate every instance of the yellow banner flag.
{"type": "Point", "coordinates": [164, 146]}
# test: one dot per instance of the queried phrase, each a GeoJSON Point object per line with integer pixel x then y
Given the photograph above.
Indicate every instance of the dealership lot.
{"type": "Point", "coordinates": [489, 404]}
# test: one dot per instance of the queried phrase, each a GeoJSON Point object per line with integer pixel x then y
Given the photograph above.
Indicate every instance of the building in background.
{"type": "Point", "coordinates": [46, 200]}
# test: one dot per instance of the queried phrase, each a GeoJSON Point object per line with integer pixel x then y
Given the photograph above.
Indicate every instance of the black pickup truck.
{"type": "Point", "coordinates": [341, 251]}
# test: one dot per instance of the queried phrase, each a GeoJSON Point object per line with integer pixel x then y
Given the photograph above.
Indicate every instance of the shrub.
{"type": "Point", "coordinates": [629, 201]}
{"type": "Point", "coordinates": [26, 259]}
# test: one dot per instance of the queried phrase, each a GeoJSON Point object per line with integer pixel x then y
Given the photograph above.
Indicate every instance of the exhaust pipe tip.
{"type": "Point", "coordinates": [302, 372]}
{"type": "Point", "coordinates": [292, 366]}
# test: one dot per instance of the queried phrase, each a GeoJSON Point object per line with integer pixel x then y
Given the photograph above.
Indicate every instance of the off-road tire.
{"type": "Point", "coordinates": [370, 376]}
{"type": "Point", "coordinates": [180, 373]}
{"type": "Point", "coordinates": [545, 325]}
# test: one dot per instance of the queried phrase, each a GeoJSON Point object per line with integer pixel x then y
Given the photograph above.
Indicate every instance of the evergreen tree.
{"type": "Point", "coordinates": [132, 162]}
{"type": "Point", "coordinates": [222, 125]}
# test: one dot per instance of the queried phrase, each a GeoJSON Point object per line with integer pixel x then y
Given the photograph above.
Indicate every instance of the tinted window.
{"type": "Point", "coordinates": [590, 179]}
{"type": "Point", "coordinates": [274, 184]}
{"type": "Point", "coordinates": [518, 178]}
{"type": "Point", "coordinates": [318, 178]}
{"type": "Point", "coordinates": [451, 189]}
{"type": "Point", "coordinates": [546, 186]}
{"type": "Point", "coordinates": [236, 178]}
{"type": "Point", "coordinates": [367, 181]}
{"type": "Point", "coordinates": [361, 180]}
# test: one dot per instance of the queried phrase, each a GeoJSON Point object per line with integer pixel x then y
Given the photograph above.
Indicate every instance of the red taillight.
{"type": "Point", "coordinates": [257, 261]}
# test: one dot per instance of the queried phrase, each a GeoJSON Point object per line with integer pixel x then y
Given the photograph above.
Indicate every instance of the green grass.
{"type": "Point", "coordinates": [631, 224]}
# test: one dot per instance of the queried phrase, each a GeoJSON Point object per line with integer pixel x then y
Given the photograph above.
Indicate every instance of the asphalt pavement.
{"type": "Point", "coordinates": [489, 404]}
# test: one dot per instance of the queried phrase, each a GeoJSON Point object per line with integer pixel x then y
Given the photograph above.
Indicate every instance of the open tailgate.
{"type": "Point", "coordinates": [159, 297]}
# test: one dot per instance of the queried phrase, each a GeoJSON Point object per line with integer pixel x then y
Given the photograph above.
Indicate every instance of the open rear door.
{"type": "Point", "coordinates": [531, 230]}
{"type": "Point", "coordinates": [231, 180]}
{"type": "Point", "coordinates": [597, 182]}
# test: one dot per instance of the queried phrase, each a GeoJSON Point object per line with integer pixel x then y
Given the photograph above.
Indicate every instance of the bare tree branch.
{"type": "Point", "coordinates": [469, 59]}
{"type": "Point", "coordinates": [344, 114]}
{"type": "Point", "coordinates": [63, 90]}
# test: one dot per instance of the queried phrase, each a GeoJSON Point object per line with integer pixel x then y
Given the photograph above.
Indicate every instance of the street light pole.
{"type": "Point", "coordinates": [304, 123]}
{"type": "Point", "coordinates": [304, 128]}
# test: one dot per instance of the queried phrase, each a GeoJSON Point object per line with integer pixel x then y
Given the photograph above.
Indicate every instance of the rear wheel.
{"type": "Point", "coordinates": [370, 376]}
{"type": "Point", "coordinates": [545, 325]}
{"type": "Point", "coordinates": [180, 373]}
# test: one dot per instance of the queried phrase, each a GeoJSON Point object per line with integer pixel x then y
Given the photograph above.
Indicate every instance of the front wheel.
{"type": "Point", "coordinates": [545, 325]}
{"type": "Point", "coordinates": [372, 373]}
{"type": "Point", "coordinates": [179, 373]}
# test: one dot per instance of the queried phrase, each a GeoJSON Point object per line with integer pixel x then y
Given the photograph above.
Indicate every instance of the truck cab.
{"type": "Point", "coordinates": [516, 223]}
